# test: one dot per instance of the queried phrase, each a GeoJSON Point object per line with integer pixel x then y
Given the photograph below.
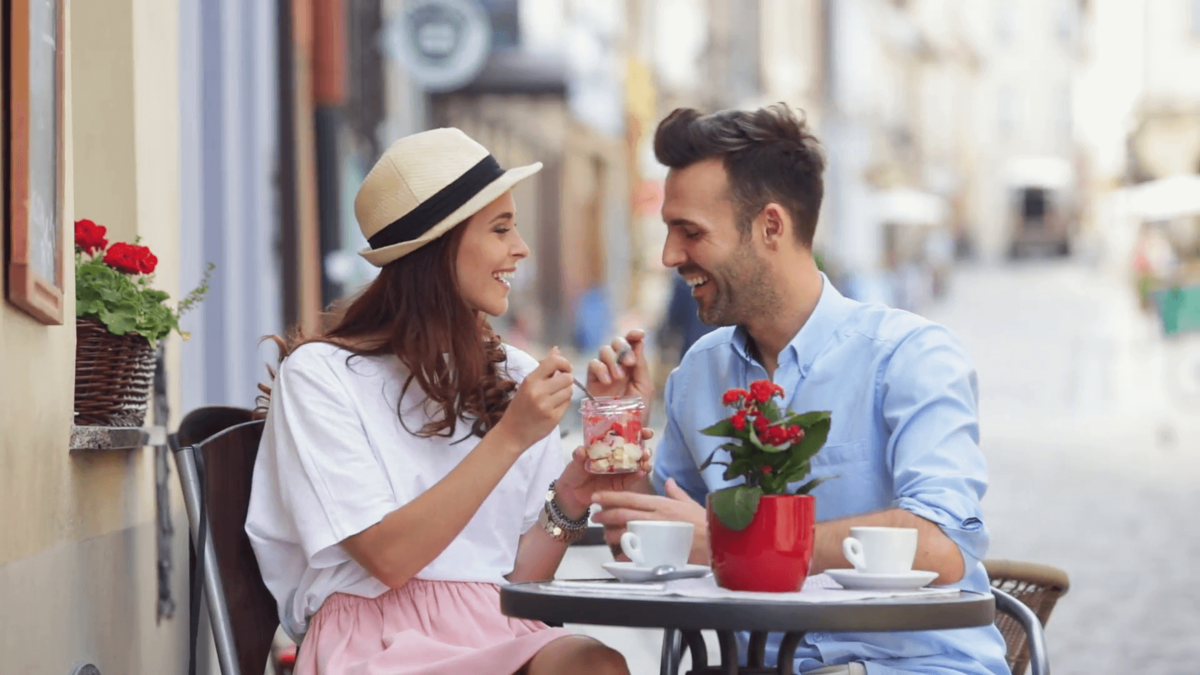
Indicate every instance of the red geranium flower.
{"type": "Point", "coordinates": [130, 258]}
{"type": "Point", "coordinates": [733, 396]}
{"type": "Point", "coordinates": [761, 391]}
{"type": "Point", "coordinates": [760, 424]}
{"type": "Point", "coordinates": [739, 420]}
{"type": "Point", "coordinates": [89, 236]}
{"type": "Point", "coordinates": [146, 261]}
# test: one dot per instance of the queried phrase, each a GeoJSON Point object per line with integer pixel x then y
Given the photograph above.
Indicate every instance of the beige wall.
{"type": "Point", "coordinates": [77, 555]}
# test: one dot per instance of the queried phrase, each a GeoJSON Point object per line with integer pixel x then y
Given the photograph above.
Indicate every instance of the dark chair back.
{"type": "Point", "coordinates": [1036, 586]}
{"type": "Point", "coordinates": [204, 423]}
{"type": "Point", "coordinates": [225, 446]}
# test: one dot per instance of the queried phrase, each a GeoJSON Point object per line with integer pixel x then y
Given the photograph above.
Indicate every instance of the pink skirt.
{"type": "Point", "coordinates": [422, 627]}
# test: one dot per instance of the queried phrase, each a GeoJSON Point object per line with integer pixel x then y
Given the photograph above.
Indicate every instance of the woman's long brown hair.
{"type": "Point", "coordinates": [414, 310]}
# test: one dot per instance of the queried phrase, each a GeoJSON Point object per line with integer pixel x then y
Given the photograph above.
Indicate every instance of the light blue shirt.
{"type": "Point", "coordinates": [905, 435]}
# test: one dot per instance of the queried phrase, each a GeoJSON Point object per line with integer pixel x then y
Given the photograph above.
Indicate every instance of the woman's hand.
{"type": "Point", "coordinates": [576, 486]}
{"type": "Point", "coordinates": [540, 402]}
{"type": "Point", "coordinates": [630, 377]}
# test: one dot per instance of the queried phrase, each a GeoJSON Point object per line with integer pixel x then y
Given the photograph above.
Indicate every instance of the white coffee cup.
{"type": "Point", "coordinates": [881, 550]}
{"type": "Point", "coordinates": [650, 543]}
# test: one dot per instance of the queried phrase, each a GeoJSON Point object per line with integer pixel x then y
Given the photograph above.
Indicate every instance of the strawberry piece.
{"type": "Point", "coordinates": [633, 431]}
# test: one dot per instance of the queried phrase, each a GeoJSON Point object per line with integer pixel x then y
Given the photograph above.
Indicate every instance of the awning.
{"type": "Point", "coordinates": [1054, 173]}
{"type": "Point", "coordinates": [1166, 198]}
{"type": "Point", "coordinates": [906, 206]}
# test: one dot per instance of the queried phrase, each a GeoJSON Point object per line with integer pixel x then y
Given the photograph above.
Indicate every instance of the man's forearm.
{"type": "Point", "coordinates": [935, 551]}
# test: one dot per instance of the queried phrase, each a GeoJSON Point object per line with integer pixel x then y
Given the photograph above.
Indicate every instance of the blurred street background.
{"type": "Point", "coordinates": [1093, 456]}
{"type": "Point", "coordinates": [1026, 172]}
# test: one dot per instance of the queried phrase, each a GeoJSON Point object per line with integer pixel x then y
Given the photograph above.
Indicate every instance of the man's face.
{"type": "Point", "coordinates": [727, 275]}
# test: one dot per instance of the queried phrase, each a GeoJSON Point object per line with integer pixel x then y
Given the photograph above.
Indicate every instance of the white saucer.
{"type": "Point", "coordinates": [627, 572]}
{"type": "Point", "coordinates": [905, 581]}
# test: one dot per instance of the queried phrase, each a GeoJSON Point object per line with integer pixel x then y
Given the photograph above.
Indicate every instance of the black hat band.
{"type": "Point", "coordinates": [437, 208]}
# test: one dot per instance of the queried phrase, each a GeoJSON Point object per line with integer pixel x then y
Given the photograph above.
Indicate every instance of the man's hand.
{"type": "Point", "coordinates": [622, 507]}
{"type": "Point", "coordinates": [630, 377]}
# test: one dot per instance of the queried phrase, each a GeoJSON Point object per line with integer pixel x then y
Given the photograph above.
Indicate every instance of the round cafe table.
{"type": "Point", "coordinates": [727, 616]}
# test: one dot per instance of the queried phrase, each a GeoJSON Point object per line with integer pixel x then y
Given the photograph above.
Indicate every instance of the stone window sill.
{"type": "Point", "coordinates": [91, 438]}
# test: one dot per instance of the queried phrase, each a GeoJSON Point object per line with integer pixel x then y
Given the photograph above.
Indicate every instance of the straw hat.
{"type": "Point", "coordinates": [423, 186]}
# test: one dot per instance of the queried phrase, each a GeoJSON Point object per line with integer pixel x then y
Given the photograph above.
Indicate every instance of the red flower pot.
{"type": "Point", "coordinates": [773, 553]}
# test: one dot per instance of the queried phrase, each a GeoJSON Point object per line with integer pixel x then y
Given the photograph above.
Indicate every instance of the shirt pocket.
{"type": "Point", "coordinates": [851, 455]}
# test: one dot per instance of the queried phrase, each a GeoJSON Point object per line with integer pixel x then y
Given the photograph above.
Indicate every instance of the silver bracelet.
{"type": "Point", "coordinates": [559, 518]}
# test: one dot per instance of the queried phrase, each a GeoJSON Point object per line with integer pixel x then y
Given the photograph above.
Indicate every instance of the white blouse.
{"type": "Point", "coordinates": [334, 460]}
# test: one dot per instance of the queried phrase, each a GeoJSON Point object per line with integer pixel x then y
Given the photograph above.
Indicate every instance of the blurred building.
{"type": "Point", "coordinates": [1140, 122]}
{"type": "Point", "coordinates": [1165, 136]}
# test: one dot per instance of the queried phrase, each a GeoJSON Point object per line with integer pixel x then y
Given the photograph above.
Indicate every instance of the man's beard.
{"type": "Point", "coordinates": [741, 291]}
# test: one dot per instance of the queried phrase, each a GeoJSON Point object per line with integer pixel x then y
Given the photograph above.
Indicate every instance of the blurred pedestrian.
{"type": "Point", "coordinates": [681, 325]}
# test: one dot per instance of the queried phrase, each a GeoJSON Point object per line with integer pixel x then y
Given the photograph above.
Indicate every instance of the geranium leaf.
{"type": "Point", "coordinates": [119, 323]}
{"type": "Point", "coordinates": [805, 420]}
{"type": "Point", "coordinates": [722, 428]}
{"type": "Point", "coordinates": [770, 409]}
{"type": "Point", "coordinates": [740, 466]}
{"type": "Point", "coordinates": [812, 485]}
{"type": "Point", "coordinates": [731, 447]}
{"type": "Point", "coordinates": [735, 506]}
{"type": "Point", "coordinates": [793, 471]}
{"type": "Point", "coordinates": [814, 439]}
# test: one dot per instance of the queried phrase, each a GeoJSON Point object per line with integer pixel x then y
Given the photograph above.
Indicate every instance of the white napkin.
{"type": "Point", "coordinates": [820, 588]}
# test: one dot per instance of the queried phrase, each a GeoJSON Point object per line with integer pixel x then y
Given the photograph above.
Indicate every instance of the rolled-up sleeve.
{"type": "Point", "coordinates": [672, 458]}
{"type": "Point", "coordinates": [929, 397]}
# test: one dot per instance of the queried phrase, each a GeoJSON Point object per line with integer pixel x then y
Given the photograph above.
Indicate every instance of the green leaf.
{"type": "Point", "coordinates": [722, 428]}
{"type": "Point", "coordinates": [119, 323]}
{"type": "Point", "coordinates": [791, 471]}
{"type": "Point", "coordinates": [740, 466]}
{"type": "Point", "coordinates": [812, 485]}
{"type": "Point", "coordinates": [805, 420]}
{"type": "Point", "coordinates": [733, 449]}
{"type": "Point", "coordinates": [735, 506]}
{"type": "Point", "coordinates": [770, 409]}
{"type": "Point", "coordinates": [815, 435]}
{"type": "Point", "coordinates": [127, 303]}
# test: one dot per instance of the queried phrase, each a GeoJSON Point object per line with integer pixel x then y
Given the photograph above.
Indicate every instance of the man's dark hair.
{"type": "Point", "coordinates": [769, 154]}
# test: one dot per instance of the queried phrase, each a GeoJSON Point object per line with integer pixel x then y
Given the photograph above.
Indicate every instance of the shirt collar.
{"type": "Point", "coordinates": [831, 310]}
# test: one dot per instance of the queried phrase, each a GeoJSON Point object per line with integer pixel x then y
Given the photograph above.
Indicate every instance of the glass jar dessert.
{"type": "Point", "coordinates": [612, 433]}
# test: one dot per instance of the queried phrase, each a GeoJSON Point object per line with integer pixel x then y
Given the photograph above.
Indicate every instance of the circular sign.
{"type": "Point", "coordinates": [443, 43]}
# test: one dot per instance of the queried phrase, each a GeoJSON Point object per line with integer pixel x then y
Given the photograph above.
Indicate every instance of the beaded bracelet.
{"type": "Point", "coordinates": [559, 518]}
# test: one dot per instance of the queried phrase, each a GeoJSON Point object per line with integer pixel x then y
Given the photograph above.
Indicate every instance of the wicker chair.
{"type": "Point", "coordinates": [1038, 587]}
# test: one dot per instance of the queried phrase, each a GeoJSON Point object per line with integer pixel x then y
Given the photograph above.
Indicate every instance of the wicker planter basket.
{"type": "Point", "coordinates": [113, 376]}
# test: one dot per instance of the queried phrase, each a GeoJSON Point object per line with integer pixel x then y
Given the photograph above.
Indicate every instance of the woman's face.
{"type": "Point", "coordinates": [487, 256]}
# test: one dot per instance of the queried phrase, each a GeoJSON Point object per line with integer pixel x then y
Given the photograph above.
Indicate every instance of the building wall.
{"type": "Point", "coordinates": [1023, 100]}
{"type": "Point", "coordinates": [77, 541]}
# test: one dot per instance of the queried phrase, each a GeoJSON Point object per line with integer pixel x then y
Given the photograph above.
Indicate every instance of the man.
{"type": "Point", "coordinates": [741, 203]}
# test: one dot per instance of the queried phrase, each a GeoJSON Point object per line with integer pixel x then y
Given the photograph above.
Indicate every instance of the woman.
{"type": "Point", "coordinates": [410, 462]}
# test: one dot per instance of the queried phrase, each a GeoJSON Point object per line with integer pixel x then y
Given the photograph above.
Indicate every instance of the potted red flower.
{"type": "Point", "coordinates": [119, 319]}
{"type": "Point", "coordinates": [761, 531]}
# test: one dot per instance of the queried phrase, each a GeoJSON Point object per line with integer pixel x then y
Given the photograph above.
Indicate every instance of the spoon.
{"type": "Point", "coordinates": [662, 571]}
{"type": "Point", "coordinates": [620, 357]}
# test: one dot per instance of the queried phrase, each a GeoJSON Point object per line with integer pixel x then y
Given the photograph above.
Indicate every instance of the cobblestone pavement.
{"type": "Point", "coordinates": [1094, 462]}
{"type": "Point", "coordinates": [1094, 457]}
